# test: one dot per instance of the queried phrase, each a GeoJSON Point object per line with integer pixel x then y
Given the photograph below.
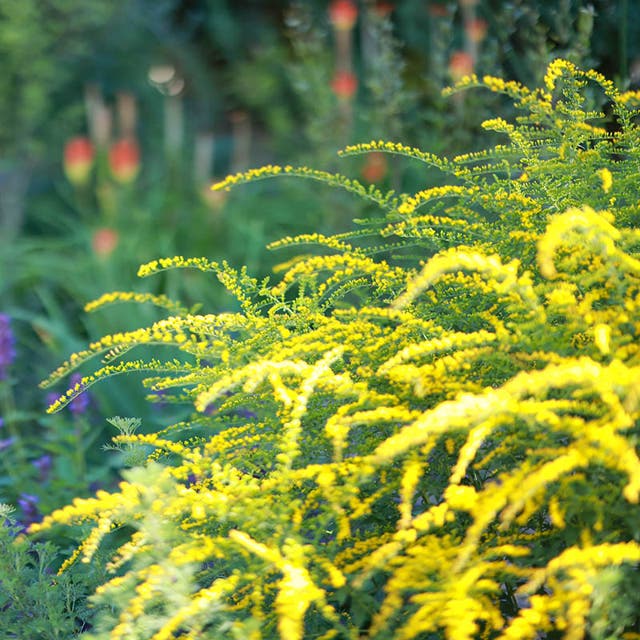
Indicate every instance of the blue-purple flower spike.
{"type": "Point", "coordinates": [7, 345]}
{"type": "Point", "coordinates": [79, 404]}
{"type": "Point", "coordinates": [29, 505]}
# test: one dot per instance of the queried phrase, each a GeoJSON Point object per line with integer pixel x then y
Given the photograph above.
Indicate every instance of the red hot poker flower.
{"type": "Point", "coordinates": [344, 84]}
{"type": "Point", "coordinates": [476, 29]}
{"type": "Point", "coordinates": [460, 65]}
{"type": "Point", "coordinates": [78, 160]}
{"type": "Point", "coordinates": [375, 167]}
{"type": "Point", "coordinates": [124, 160]}
{"type": "Point", "coordinates": [104, 241]}
{"type": "Point", "coordinates": [343, 14]}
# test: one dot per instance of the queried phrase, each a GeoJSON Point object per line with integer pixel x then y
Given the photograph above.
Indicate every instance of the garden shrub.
{"type": "Point", "coordinates": [428, 427]}
{"type": "Point", "coordinates": [34, 602]}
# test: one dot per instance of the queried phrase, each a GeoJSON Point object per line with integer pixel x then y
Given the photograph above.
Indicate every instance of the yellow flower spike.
{"type": "Point", "coordinates": [629, 98]}
{"type": "Point", "coordinates": [468, 451]}
{"type": "Point", "coordinates": [607, 179]}
{"type": "Point", "coordinates": [602, 337]}
{"type": "Point", "coordinates": [296, 590]}
{"type": "Point", "coordinates": [461, 498]}
{"type": "Point", "coordinates": [596, 229]}
{"type": "Point", "coordinates": [555, 70]}
{"type": "Point", "coordinates": [538, 479]}
{"type": "Point", "coordinates": [410, 478]}
{"type": "Point", "coordinates": [203, 599]}
{"type": "Point", "coordinates": [436, 517]}
{"type": "Point", "coordinates": [556, 514]}
{"type": "Point", "coordinates": [325, 478]}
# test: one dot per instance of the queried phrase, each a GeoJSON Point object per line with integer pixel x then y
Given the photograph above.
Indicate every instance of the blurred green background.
{"type": "Point", "coordinates": [153, 100]}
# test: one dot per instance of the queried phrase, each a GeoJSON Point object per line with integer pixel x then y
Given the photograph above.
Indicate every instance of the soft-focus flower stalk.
{"type": "Point", "coordinates": [104, 241]}
{"type": "Point", "coordinates": [343, 15]}
{"type": "Point", "coordinates": [7, 346]}
{"type": "Point", "coordinates": [124, 160]}
{"type": "Point", "coordinates": [375, 167]}
{"type": "Point", "coordinates": [383, 9]}
{"type": "Point", "coordinates": [344, 85]}
{"type": "Point", "coordinates": [460, 65]}
{"type": "Point", "coordinates": [78, 160]}
{"type": "Point", "coordinates": [127, 114]}
{"type": "Point", "coordinates": [7, 403]}
{"type": "Point", "coordinates": [241, 131]}
{"type": "Point", "coordinates": [475, 29]}
{"type": "Point", "coordinates": [99, 119]}
{"type": "Point", "coordinates": [78, 407]}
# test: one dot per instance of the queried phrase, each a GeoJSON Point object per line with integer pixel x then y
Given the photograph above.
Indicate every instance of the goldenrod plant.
{"type": "Point", "coordinates": [426, 428]}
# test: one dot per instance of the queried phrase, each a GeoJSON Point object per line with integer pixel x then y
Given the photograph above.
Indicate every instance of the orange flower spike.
{"type": "Point", "coordinates": [124, 160]}
{"type": "Point", "coordinates": [78, 160]}
{"type": "Point", "coordinates": [343, 14]}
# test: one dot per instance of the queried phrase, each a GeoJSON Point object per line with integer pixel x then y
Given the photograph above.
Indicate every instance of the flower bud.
{"type": "Point", "coordinates": [78, 160]}
{"type": "Point", "coordinates": [124, 160]}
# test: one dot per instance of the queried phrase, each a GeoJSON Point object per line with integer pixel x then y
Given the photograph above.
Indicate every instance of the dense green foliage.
{"type": "Point", "coordinates": [35, 603]}
{"type": "Point", "coordinates": [427, 427]}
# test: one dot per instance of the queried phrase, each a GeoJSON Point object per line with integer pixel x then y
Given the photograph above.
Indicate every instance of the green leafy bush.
{"type": "Point", "coordinates": [35, 603]}
{"type": "Point", "coordinates": [427, 427]}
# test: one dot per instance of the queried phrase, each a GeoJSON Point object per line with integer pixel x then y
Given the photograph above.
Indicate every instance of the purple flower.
{"type": "Point", "coordinates": [43, 465]}
{"type": "Point", "coordinates": [79, 404]}
{"type": "Point", "coordinates": [51, 397]}
{"type": "Point", "coordinates": [7, 345]}
{"type": "Point", "coordinates": [29, 505]}
{"type": "Point", "coordinates": [241, 412]}
{"type": "Point", "coordinates": [5, 444]}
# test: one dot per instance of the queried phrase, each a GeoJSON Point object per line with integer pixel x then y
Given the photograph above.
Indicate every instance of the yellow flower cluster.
{"type": "Point", "coordinates": [114, 297]}
{"type": "Point", "coordinates": [411, 204]}
{"type": "Point", "coordinates": [389, 447]}
{"type": "Point", "coordinates": [397, 149]}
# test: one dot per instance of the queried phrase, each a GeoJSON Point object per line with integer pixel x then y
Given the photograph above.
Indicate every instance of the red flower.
{"type": "Point", "coordinates": [78, 160]}
{"type": "Point", "coordinates": [460, 65]}
{"type": "Point", "coordinates": [375, 167]}
{"type": "Point", "coordinates": [383, 9]}
{"type": "Point", "coordinates": [344, 84]}
{"type": "Point", "coordinates": [476, 29]}
{"type": "Point", "coordinates": [343, 14]}
{"type": "Point", "coordinates": [124, 160]}
{"type": "Point", "coordinates": [438, 10]}
{"type": "Point", "coordinates": [104, 241]}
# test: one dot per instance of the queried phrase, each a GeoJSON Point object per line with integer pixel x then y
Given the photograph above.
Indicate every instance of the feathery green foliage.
{"type": "Point", "coordinates": [384, 446]}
